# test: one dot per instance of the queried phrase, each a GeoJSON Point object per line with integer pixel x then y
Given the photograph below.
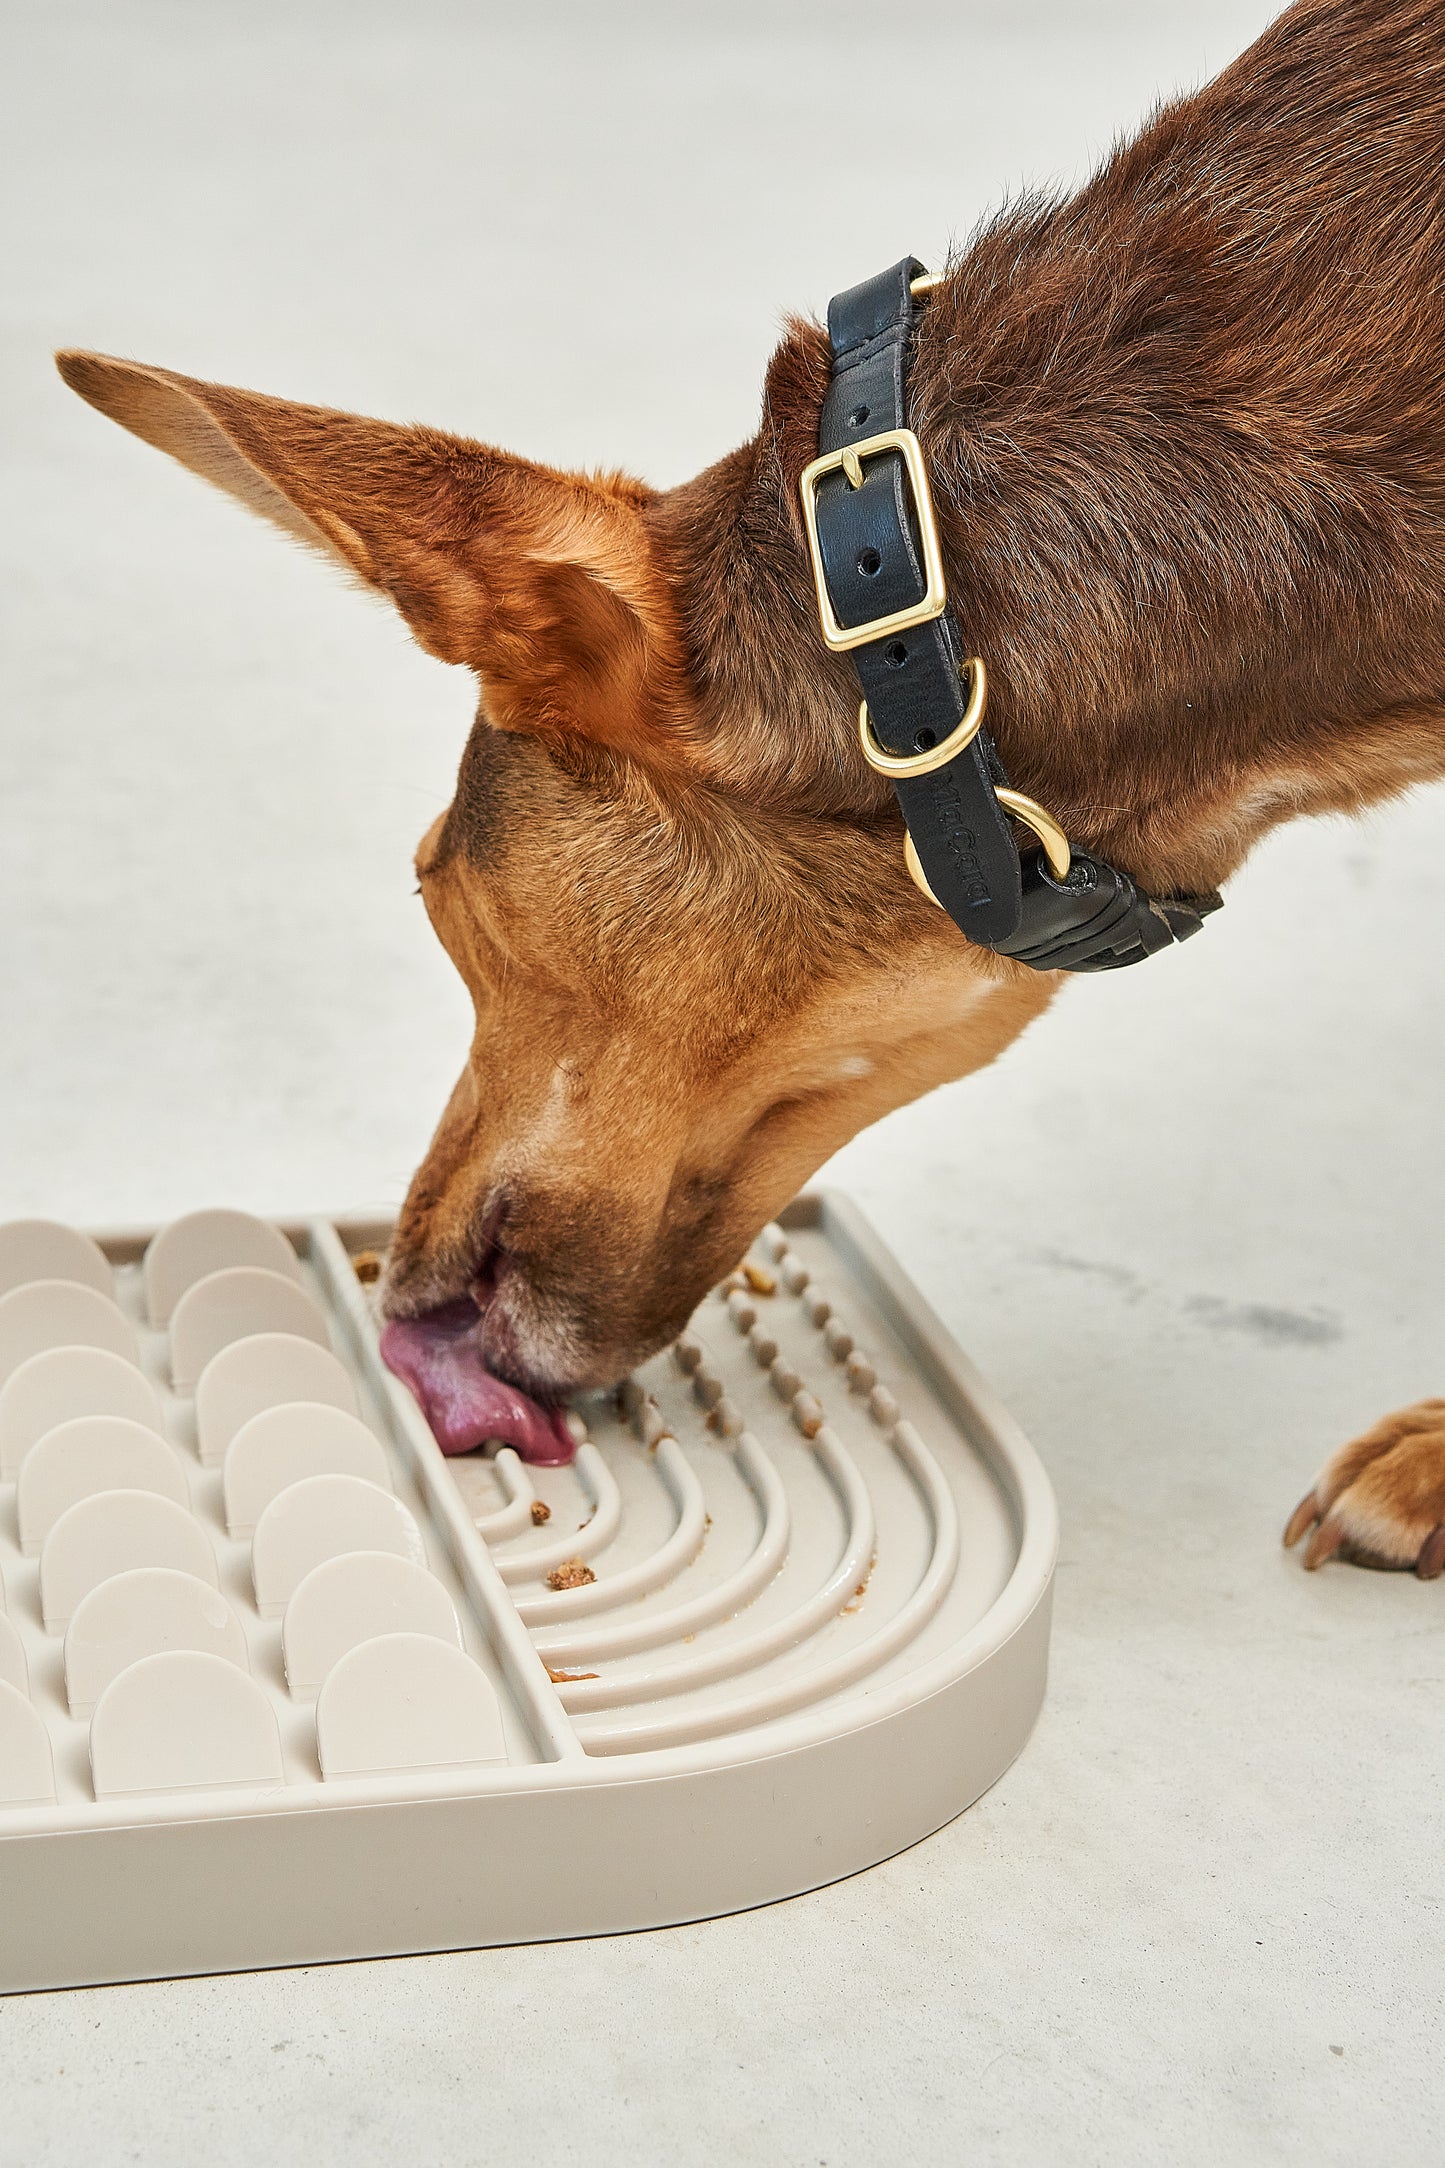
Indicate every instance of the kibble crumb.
{"type": "Point", "coordinates": [760, 1280]}
{"type": "Point", "coordinates": [572, 1573]}
{"type": "Point", "coordinates": [366, 1264]}
{"type": "Point", "coordinates": [567, 1678]}
{"type": "Point", "coordinates": [541, 1512]}
{"type": "Point", "coordinates": [862, 1589]}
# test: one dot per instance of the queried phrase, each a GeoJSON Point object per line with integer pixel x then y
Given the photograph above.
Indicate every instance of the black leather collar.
{"type": "Point", "coordinates": [879, 577]}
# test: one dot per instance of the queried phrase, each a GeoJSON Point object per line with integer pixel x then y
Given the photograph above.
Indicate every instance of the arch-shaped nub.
{"type": "Point", "coordinates": [60, 1313]}
{"type": "Point", "coordinates": [319, 1518]}
{"type": "Point", "coordinates": [281, 1446]}
{"type": "Point", "coordinates": [192, 1248]}
{"type": "Point", "coordinates": [62, 1383]}
{"type": "Point", "coordinates": [41, 1249]}
{"type": "Point", "coordinates": [406, 1701]}
{"type": "Point", "coordinates": [233, 1305]}
{"type": "Point", "coordinates": [354, 1598]}
{"type": "Point", "coordinates": [143, 1613]}
{"type": "Point", "coordinates": [183, 1720]}
{"type": "Point", "coordinates": [109, 1533]}
{"type": "Point", "coordinates": [264, 1370]}
{"type": "Point", "coordinates": [89, 1454]}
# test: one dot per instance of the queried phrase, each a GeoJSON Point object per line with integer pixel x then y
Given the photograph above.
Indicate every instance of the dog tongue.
{"type": "Point", "coordinates": [438, 1357]}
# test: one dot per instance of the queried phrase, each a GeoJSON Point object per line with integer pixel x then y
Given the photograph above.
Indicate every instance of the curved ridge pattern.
{"type": "Point", "coordinates": [516, 1487]}
{"type": "Point", "coordinates": [594, 1535]}
{"type": "Point", "coordinates": [779, 1635]}
{"type": "Point", "coordinates": [626, 1637]}
{"type": "Point", "coordinates": [845, 1669]}
{"type": "Point", "coordinates": [681, 1547]}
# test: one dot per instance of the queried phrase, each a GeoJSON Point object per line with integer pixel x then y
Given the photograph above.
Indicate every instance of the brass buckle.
{"type": "Point", "coordinates": [849, 461]}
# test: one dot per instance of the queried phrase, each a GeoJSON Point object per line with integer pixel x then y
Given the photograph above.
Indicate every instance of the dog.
{"type": "Point", "coordinates": [1185, 431]}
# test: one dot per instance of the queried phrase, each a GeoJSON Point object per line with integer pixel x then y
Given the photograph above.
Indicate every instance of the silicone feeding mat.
{"type": "Point", "coordinates": [281, 1682]}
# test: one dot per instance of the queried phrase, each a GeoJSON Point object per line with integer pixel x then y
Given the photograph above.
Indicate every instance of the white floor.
{"type": "Point", "coordinates": [1190, 1228]}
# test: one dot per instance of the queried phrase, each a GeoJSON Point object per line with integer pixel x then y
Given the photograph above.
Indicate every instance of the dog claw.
{"type": "Point", "coordinates": [1303, 1518]}
{"type": "Point", "coordinates": [1324, 1543]}
{"type": "Point", "coordinates": [1431, 1563]}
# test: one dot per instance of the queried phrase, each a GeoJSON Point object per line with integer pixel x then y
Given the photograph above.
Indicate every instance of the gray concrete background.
{"type": "Point", "coordinates": [1190, 1226]}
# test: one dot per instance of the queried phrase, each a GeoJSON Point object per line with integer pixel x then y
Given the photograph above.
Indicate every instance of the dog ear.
{"type": "Point", "coordinates": [543, 582]}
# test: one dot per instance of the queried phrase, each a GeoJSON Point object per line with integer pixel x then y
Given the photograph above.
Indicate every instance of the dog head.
{"type": "Point", "coordinates": [1187, 503]}
{"type": "Point", "coordinates": [666, 877]}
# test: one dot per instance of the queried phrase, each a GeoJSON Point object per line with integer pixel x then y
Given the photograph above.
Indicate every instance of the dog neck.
{"type": "Point", "coordinates": [1188, 520]}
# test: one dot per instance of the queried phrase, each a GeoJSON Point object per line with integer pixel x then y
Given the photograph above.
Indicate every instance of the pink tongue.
{"type": "Point", "coordinates": [438, 1357]}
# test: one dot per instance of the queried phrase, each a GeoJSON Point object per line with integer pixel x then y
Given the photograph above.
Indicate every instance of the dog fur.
{"type": "Point", "coordinates": [1186, 431]}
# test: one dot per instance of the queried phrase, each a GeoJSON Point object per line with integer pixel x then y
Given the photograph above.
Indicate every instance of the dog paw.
{"type": "Point", "coordinates": [1380, 1501]}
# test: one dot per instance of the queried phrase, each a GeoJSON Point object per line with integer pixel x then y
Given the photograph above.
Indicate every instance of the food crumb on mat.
{"type": "Point", "coordinates": [861, 1590]}
{"type": "Point", "coordinates": [760, 1280]}
{"type": "Point", "coordinates": [541, 1511]}
{"type": "Point", "coordinates": [572, 1573]}
{"type": "Point", "coordinates": [567, 1678]}
{"type": "Point", "coordinates": [366, 1264]}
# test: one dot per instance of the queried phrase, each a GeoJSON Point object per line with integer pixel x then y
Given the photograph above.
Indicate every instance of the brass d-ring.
{"type": "Point", "coordinates": [1044, 826]}
{"type": "Point", "coordinates": [899, 766]}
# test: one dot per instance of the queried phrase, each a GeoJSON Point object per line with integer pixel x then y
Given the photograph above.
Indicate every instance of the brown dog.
{"type": "Point", "coordinates": [1186, 433]}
